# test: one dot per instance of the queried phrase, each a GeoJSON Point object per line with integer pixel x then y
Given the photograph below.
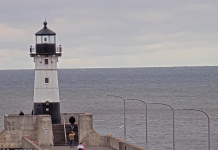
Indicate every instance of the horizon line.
{"type": "Point", "coordinates": [115, 67]}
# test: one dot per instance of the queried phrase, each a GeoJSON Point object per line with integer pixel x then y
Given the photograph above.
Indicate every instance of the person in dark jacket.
{"type": "Point", "coordinates": [21, 113]}
{"type": "Point", "coordinates": [72, 121]}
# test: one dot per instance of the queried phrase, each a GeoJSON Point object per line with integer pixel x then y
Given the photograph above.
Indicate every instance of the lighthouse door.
{"type": "Point", "coordinates": [47, 109]}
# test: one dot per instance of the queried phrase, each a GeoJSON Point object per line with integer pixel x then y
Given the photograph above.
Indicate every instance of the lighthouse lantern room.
{"type": "Point", "coordinates": [46, 90]}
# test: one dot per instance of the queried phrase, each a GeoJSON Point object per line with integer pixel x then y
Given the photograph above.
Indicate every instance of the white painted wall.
{"type": "Point", "coordinates": [46, 91]}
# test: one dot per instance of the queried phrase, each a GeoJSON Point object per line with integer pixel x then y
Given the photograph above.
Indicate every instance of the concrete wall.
{"type": "Point", "coordinates": [105, 141]}
{"type": "Point", "coordinates": [114, 142]}
{"type": "Point", "coordinates": [117, 144]}
{"type": "Point", "coordinates": [86, 133]}
{"type": "Point", "coordinates": [132, 147]}
{"type": "Point", "coordinates": [10, 139]}
{"type": "Point", "coordinates": [21, 123]}
{"type": "Point", "coordinates": [89, 137]}
{"type": "Point", "coordinates": [45, 133]}
{"type": "Point", "coordinates": [15, 127]}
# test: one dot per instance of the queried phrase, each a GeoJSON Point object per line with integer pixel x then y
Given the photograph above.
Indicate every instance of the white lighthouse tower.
{"type": "Point", "coordinates": [46, 90]}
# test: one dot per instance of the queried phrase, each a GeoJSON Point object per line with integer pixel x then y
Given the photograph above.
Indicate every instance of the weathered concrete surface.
{"type": "Point", "coordinates": [87, 134]}
{"type": "Point", "coordinates": [110, 141]}
{"type": "Point", "coordinates": [10, 139]}
{"type": "Point", "coordinates": [132, 147]}
{"type": "Point", "coordinates": [45, 133]}
{"type": "Point", "coordinates": [105, 141]}
{"type": "Point", "coordinates": [114, 142]}
{"type": "Point", "coordinates": [117, 144]}
{"type": "Point", "coordinates": [15, 127]}
{"type": "Point", "coordinates": [21, 123]}
{"type": "Point", "coordinates": [28, 144]}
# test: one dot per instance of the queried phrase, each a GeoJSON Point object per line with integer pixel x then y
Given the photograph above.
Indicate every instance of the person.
{"type": "Point", "coordinates": [32, 110]}
{"type": "Point", "coordinates": [21, 113]}
{"type": "Point", "coordinates": [71, 136]}
{"type": "Point", "coordinates": [81, 146]}
{"type": "Point", "coordinates": [72, 121]}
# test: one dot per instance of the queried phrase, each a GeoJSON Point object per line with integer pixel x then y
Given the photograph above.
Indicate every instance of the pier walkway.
{"type": "Point", "coordinates": [75, 148]}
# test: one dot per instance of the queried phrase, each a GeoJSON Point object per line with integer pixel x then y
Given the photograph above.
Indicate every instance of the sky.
{"type": "Point", "coordinates": [112, 33]}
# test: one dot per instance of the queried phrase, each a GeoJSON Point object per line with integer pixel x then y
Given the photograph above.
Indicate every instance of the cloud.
{"type": "Point", "coordinates": [13, 34]}
{"type": "Point", "coordinates": [113, 33]}
{"type": "Point", "coordinates": [15, 59]}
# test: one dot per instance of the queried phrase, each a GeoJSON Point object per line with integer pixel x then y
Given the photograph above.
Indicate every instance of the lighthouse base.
{"type": "Point", "coordinates": [47, 108]}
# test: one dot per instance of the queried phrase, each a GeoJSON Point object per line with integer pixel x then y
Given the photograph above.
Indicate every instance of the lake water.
{"type": "Point", "coordinates": [84, 90]}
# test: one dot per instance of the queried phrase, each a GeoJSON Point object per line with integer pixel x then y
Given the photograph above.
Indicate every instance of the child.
{"type": "Point", "coordinates": [80, 146]}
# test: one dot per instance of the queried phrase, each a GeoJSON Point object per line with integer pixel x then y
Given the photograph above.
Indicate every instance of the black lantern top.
{"type": "Point", "coordinates": [45, 43]}
{"type": "Point", "coordinates": [45, 30]}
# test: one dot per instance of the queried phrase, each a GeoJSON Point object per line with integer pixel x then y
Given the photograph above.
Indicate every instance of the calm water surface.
{"type": "Point", "coordinates": [84, 90]}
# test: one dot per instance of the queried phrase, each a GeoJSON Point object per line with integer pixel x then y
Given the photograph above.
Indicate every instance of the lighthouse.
{"type": "Point", "coordinates": [46, 91]}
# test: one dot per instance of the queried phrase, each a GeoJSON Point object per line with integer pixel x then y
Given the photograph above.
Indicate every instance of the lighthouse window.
{"type": "Point", "coordinates": [38, 39]}
{"type": "Point", "coordinates": [45, 39]}
{"type": "Point", "coordinates": [46, 80]}
{"type": "Point", "coordinates": [46, 61]}
{"type": "Point", "coordinates": [52, 39]}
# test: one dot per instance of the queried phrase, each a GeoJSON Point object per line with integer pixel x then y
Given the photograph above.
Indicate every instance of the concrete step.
{"type": "Point", "coordinates": [59, 135]}
{"type": "Point", "coordinates": [67, 144]}
{"type": "Point", "coordinates": [62, 131]}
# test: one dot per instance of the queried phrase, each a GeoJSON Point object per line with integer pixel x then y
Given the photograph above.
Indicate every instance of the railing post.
{"type": "Point", "coordinates": [30, 48]}
{"type": "Point", "coordinates": [60, 49]}
{"type": "Point", "coordinates": [108, 137]}
{"type": "Point", "coordinates": [121, 145]}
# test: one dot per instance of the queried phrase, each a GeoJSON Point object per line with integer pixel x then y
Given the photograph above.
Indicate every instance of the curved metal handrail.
{"type": "Point", "coordinates": [65, 134]}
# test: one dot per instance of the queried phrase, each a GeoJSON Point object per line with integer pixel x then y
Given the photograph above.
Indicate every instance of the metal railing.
{"type": "Point", "coordinates": [32, 50]}
{"type": "Point", "coordinates": [58, 50]}
{"type": "Point", "coordinates": [65, 134]}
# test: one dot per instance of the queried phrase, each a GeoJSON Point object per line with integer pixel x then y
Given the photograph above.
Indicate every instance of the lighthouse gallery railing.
{"type": "Point", "coordinates": [58, 50]}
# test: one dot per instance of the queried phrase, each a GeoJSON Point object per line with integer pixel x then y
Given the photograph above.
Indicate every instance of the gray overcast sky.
{"type": "Point", "coordinates": [113, 33]}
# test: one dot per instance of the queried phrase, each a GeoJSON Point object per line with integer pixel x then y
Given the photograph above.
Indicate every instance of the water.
{"type": "Point", "coordinates": [84, 90]}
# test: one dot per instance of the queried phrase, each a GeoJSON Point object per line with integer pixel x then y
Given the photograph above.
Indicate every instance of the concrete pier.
{"type": "Point", "coordinates": [36, 132]}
